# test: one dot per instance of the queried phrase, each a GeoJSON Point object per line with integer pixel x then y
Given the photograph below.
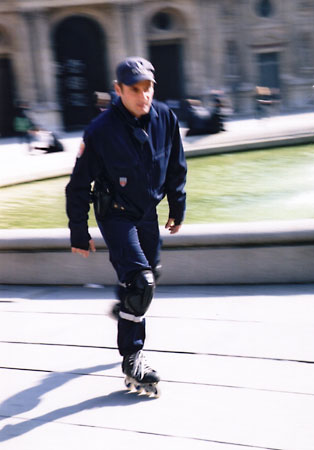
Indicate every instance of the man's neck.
{"type": "Point", "coordinates": [143, 119]}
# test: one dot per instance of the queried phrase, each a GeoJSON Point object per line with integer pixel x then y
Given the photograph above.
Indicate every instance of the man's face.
{"type": "Point", "coordinates": [137, 98]}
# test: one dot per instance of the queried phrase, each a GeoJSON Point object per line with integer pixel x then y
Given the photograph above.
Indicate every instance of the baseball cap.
{"type": "Point", "coordinates": [134, 69]}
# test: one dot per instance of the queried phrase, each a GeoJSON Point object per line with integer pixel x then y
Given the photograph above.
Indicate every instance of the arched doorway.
{"type": "Point", "coordinates": [166, 51]}
{"type": "Point", "coordinates": [81, 59]}
{"type": "Point", "coordinates": [167, 60]}
{"type": "Point", "coordinates": [268, 69]}
{"type": "Point", "coordinates": [6, 98]}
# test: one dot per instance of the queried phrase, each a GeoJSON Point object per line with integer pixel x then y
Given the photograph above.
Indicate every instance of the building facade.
{"type": "Point", "coordinates": [54, 54]}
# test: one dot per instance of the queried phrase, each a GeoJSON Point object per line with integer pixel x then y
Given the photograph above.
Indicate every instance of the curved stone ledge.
{"type": "Point", "coordinates": [222, 234]}
{"type": "Point", "coordinates": [235, 253]}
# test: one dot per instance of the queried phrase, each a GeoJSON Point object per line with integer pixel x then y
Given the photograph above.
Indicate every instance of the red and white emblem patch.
{"type": "Point", "coordinates": [123, 181]}
{"type": "Point", "coordinates": [81, 150]}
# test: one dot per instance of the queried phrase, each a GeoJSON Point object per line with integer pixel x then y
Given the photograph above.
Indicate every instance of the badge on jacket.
{"type": "Point", "coordinates": [123, 181]}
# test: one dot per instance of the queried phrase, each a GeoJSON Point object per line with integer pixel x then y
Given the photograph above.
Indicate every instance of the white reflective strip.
{"type": "Point", "coordinates": [130, 317]}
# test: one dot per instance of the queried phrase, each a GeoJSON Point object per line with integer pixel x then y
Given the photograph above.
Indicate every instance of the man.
{"type": "Point", "coordinates": [134, 151]}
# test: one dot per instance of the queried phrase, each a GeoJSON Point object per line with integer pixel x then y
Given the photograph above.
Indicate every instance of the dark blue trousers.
{"type": "Point", "coordinates": [133, 246]}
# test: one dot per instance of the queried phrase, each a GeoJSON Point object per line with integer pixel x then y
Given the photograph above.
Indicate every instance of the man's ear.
{"type": "Point", "coordinates": [117, 89]}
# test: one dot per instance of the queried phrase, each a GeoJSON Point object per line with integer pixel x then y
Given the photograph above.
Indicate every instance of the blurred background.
{"type": "Point", "coordinates": [55, 54]}
{"type": "Point", "coordinates": [238, 68]}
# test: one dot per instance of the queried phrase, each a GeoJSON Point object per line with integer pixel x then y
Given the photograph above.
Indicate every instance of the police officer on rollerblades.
{"type": "Point", "coordinates": [133, 152]}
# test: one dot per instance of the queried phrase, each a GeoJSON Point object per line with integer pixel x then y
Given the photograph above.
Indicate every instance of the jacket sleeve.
{"type": "Point", "coordinates": [176, 177]}
{"type": "Point", "coordinates": [78, 195]}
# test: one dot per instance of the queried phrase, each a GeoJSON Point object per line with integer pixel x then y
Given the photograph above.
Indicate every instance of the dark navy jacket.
{"type": "Point", "coordinates": [138, 174]}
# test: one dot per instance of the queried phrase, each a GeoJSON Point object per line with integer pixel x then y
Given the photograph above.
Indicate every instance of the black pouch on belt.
{"type": "Point", "coordinates": [101, 199]}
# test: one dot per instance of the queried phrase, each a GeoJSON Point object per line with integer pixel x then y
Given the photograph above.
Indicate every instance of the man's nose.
{"type": "Point", "coordinates": [145, 95]}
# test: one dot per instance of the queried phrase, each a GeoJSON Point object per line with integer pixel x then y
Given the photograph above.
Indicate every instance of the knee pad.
{"type": "Point", "coordinates": [157, 271]}
{"type": "Point", "coordinates": [139, 293]}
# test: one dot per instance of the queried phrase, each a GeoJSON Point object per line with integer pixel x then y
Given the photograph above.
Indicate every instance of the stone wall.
{"type": "Point", "coordinates": [247, 253]}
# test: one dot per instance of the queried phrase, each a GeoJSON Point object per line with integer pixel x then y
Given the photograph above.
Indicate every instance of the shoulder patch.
{"type": "Point", "coordinates": [81, 150]}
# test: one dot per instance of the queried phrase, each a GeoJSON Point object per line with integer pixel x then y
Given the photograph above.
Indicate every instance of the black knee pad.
{"type": "Point", "coordinates": [157, 271]}
{"type": "Point", "coordinates": [139, 293]}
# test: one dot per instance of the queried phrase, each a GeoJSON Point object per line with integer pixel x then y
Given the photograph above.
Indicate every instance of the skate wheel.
{"type": "Point", "coordinates": [153, 390]}
{"type": "Point", "coordinates": [128, 384]}
{"type": "Point", "coordinates": [157, 391]}
{"type": "Point", "coordinates": [139, 388]}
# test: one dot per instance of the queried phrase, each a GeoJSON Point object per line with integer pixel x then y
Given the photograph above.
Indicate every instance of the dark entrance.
{"type": "Point", "coordinates": [81, 58]}
{"type": "Point", "coordinates": [6, 98]}
{"type": "Point", "coordinates": [167, 60]}
{"type": "Point", "coordinates": [268, 68]}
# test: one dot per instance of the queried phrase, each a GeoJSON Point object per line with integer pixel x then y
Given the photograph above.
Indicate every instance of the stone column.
{"type": "Point", "coordinates": [215, 45]}
{"type": "Point", "coordinates": [46, 66]}
{"type": "Point", "coordinates": [115, 39]}
{"type": "Point", "coordinates": [197, 57]}
{"type": "Point", "coordinates": [22, 62]}
{"type": "Point", "coordinates": [126, 36]}
{"type": "Point", "coordinates": [42, 57]}
{"type": "Point", "coordinates": [134, 31]}
{"type": "Point", "coordinates": [33, 43]}
{"type": "Point", "coordinates": [43, 70]}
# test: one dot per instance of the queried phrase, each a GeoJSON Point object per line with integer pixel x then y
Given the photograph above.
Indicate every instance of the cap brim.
{"type": "Point", "coordinates": [139, 77]}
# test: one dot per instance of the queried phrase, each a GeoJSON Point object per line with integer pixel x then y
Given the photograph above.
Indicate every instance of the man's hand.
{"type": "Point", "coordinates": [172, 227]}
{"type": "Point", "coordinates": [85, 253]}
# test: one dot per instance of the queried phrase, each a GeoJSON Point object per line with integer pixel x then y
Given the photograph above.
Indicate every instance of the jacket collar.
{"type": "Point", "coordinates": [133, 121]}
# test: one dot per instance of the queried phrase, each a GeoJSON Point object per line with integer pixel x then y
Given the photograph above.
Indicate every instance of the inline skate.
{"type": "Point", "coordinates": [139, 375]}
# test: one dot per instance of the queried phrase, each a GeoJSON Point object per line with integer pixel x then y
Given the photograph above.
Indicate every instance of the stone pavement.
{"type": "Point", "coordinates": [17, 165]}
{"type": "Point", "coordinates": [237, 368]}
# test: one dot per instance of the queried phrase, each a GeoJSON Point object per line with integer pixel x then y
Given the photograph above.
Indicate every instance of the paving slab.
{"type": "Point", "coordinates": [67, 436]}
{"type": "Point", "coordinates": [236, 365]}
{"type": "Point", "coordinates": [229, 371]}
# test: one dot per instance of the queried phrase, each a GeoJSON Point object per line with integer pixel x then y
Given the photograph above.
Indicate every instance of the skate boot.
{"type": "Point", "coordinates": [139, 375]}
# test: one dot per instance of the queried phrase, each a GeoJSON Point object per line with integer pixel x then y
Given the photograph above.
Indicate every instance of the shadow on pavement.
{"type": "Point", "coordinates": [118, 398]}
{"type": "Point", "coordinates": [28, 399]}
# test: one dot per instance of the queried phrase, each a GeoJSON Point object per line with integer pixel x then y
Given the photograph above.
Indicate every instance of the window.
{"type": "Point", "coordinates": [264, 8]}
{"type": "Point", "coordinates": [3, 38]}
{"type": "Point", "coordinates": [231, 59]}
{"type": "Point", "coordinates": [162, 21]}
{"type": "Point", "coordinates": [268, 69]}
